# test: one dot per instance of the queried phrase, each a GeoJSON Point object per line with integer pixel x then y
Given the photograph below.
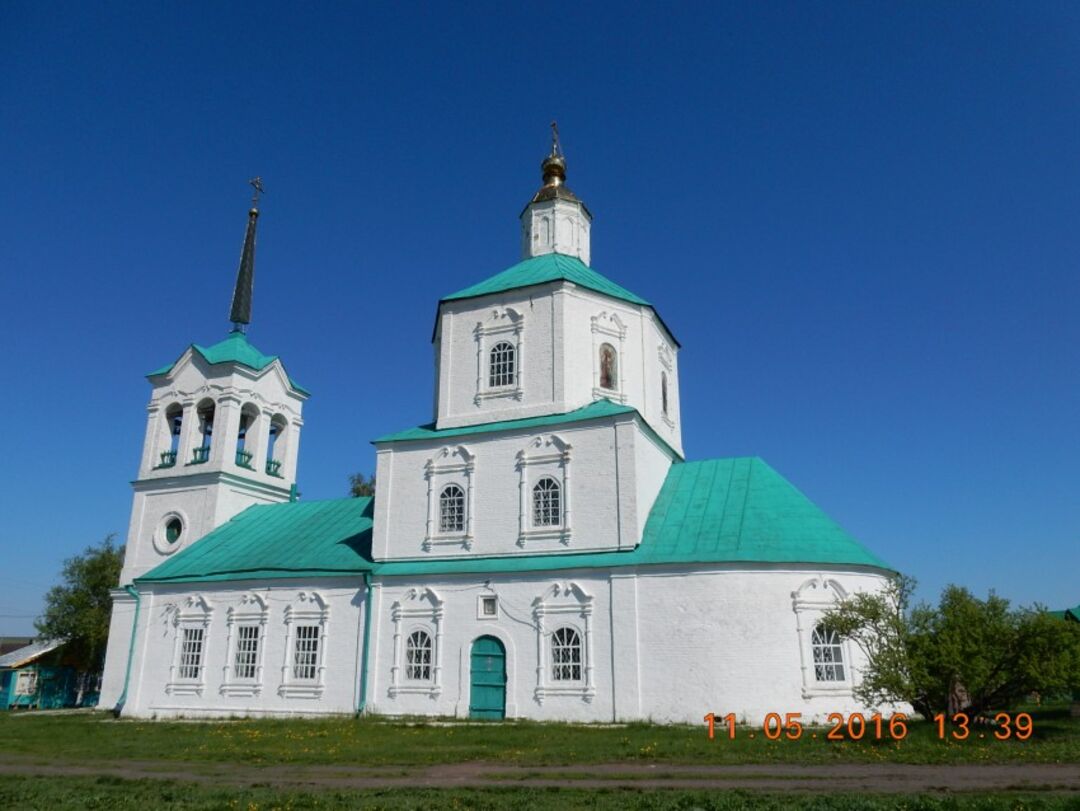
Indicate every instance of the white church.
{"type": "Point", "coordinates": [542, 549]}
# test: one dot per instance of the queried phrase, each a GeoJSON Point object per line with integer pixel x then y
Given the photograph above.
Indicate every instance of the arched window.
{"type": "Point", "coordinates": [418, 656]}
{"type": "Point", "coordinates": [828, 654]}
{"type": "Point", "coordinates": [609, 367]}
{"type": "Point", "coordinates": [277, 429]}
{"type": "Point", "coordinates": [501, 371]}
{"type": "Point", "coordinates": [566, 655]}
{"type": "Point", "coordinates": [452, 509]}
{"type": "Point", "coordinates": [174, 420]}
{"type": "Point", "coordinates": [663, 393]}
{"type": "Point", "coordinates": [248, 415]}
{"type": "Point", "coordinates": [547, 503]}
{"type": "Point", "coordinates": [206, 429]}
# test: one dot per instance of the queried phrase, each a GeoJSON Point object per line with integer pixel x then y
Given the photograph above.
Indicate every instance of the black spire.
{"type": "Point", "coordinates": [240, 315]}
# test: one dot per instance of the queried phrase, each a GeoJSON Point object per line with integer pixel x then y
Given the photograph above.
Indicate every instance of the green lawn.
{"type": "Point", "coordinates": [139, 795]}
{"type": "Point", "coordinates": [372, 742]}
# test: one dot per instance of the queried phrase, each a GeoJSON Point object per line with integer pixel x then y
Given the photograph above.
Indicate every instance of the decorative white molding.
{"type": "Point", "coordinates": [569, 606]}
{"type": "Point", "coordinates": [667, 357]}
{"type": "Point", "coordinates": [252, 610]}
{"type": "Point", "coordinates": [608, 328]}
{"type": "Point", "coordinates": [449, 466]}
{"type": "Point", "coordinates": [809, 602]}
{"type": "Point", "coordinates": [545, 455]}
{"type": "Point", "coordinates": [504, 323]}
{"type": "Point", "coordinates": [419, 609]}
{"type": "Point", "coordinates": [194, 612]}
{"type": "Point", "coordinates": [309, 608]}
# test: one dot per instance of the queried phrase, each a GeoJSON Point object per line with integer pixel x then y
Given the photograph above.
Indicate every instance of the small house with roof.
{"type": "Point", "coordinates": [38, 676]}
{"type": "Point", "coordinates": [541, 549]}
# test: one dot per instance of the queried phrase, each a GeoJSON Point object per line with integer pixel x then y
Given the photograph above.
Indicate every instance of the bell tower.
{"type": "Point", "coordinates": [223, 433]}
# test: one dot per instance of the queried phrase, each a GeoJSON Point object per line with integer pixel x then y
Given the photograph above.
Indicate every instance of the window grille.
{"type": "Point", "coordinates": [247, 651]}
{"type": "Point", "coordinates": [191, 652]}
{"type": "Point", "coordinates": [609, 372]}
{"type": "Point", "coordinates": [306, 652]}
{"type": "Point", "coordinates": [501, 371]}
{"type": "Point", "coordinates": [452, 509]}
{"type": "Point", "coordinates": [566, 655]}
{"type": "Point", "coordinates": [418, 657]}
{"type": "Point", "coordinates": [547, 503]}
{"type": "Point", "coordinates": [828, 654]}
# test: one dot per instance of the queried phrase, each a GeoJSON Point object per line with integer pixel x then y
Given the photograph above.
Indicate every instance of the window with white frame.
{"type": "Point", "coordinates": [246, 623]}
{"type": "Point", "coordinates": [452, 509]}
{"type": "Point", "coordinates": [609, 341]}
{"type": "Point", "coordinates": [191, 620]}
{"type": "Point", "coordinates": [544, 487]}
{"type": "Point", "coordinates": [828, 654]}
{"type": "Point", "coordinates": [305, 652]}
{"type": "Point", "coordinates": [499, 355]}
{"type": "Point", "coordinates": [547, 503]}
{"type": "Point", "coordinates": [667, 362]}
{"type": "Point", "coordinates": [303, 671]}
{"type": "Point", "coordinates": [450, 478]}
{"type": "Point", "coordinates": [825, 660]}
{"type": "Point", "coordinates": [566, 658]}
{"type": "Point", "coordinates": [418, 633]}
{"type": "Point", "coordinates": [418, 649]}
{"type": "Point", "coordinates": [191, 653]}
{"type": "Point", "coordinates": [564, 654]}
{"type": "Point", "coordinates": [502, 365]}
{"type": "Point", "coordinates": [246, 660]}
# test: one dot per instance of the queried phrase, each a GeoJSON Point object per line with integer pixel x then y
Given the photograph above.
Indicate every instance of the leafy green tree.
{"type": "Point", "coordinates": [361, 485]}
{"type": "Point", "coordinates": [964, 655]}
{"type": "Point", "coordinates": [79, 609]}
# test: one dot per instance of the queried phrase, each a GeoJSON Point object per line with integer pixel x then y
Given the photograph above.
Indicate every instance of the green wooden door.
{"type": "Point", "coordinates": [487, 693]}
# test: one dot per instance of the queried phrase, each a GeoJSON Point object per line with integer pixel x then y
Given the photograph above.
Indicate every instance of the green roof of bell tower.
{"type": "Point", "coordinates": [234, 349]}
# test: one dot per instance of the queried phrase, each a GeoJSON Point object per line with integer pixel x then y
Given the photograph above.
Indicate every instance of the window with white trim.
{"type": "Point", "coordinates": [418, 632]}
{"type": "Point", "coordinates": [305, 652]}
{"type": "Point", "coordinates": [547, 503]}
{"type": "Point", "coordinates": [191, 653]}
{"type": "Point", "coordinates": [26, 683]}
{"type": "Point", "coordinates": [450, 474]}
{"type": "Point", "coordinates": [566, 658]}
{"type": "Point", "coordinates": [303, 671]}
{"type": "Point", "coordinates": [246, 661]}
{"type": "Point", "coordinates": [191, 619]}
{"type": "Point", "coordinates": [544, 487]}
{"type": "Point", "coordinates": [824, 656]}
{"type": "Point", "coordinates": [828, 654]}
{"type": "Point", "coordinates": [452, 509]}
{"type": "Point", "coordinates": [499, 355]}
{"type": "Point", "coordinates": [609, 344]}
{"type": "Point", "coordinates": [246, 623]}
{"type": "Point", "coordinates": [564, 654]}
{"type": "Point", "coordinates": [418, 660]}
{"type": "Point", "coordinates": [502, 365]}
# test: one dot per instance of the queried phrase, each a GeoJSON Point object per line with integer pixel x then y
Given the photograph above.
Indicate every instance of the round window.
{"type": "Point", "coordinates": [173, 529]}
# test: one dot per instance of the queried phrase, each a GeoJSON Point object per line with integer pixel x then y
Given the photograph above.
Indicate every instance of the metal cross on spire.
{"type": "Point", "coordinates": [256, 184]}
{"type": "Point", "coordinates": [556, 149]}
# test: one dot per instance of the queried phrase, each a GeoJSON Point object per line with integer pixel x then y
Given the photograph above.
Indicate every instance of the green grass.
{"type": "Point", "coordinates": [139, 795]}
{"type": "Point", "coordinates": [371, 742]}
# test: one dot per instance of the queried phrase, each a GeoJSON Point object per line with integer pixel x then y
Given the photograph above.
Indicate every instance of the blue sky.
{"type": "Point", "coordinates": [861, 220]}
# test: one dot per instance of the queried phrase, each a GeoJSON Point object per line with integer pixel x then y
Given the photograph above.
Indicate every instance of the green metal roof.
{"type": "Point", "coordinates": [234, 349]}
{"type": "Point", "coordinates": [309, 538]}
{"type": "Point", "coordinates": [550, 267]}
{"type": "Point", "coordinates": [714, 511]}
{"type": "Point", "coordinates": [594, 410]}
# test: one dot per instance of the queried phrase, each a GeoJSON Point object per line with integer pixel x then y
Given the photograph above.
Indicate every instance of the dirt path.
{"type": "Point", "coordinates": [830, 778]}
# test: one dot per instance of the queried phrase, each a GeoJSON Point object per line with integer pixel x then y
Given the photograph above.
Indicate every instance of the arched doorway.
{"type": "Point", "coordinates": [487, 685]}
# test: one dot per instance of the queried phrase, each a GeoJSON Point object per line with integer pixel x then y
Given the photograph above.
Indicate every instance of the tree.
{"type": "Point", "coordinates": [964, 655]}
{"type": "Point", "coordinates": [79, 609]}
{"type": "Point", "coordinates": [361, 485]}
